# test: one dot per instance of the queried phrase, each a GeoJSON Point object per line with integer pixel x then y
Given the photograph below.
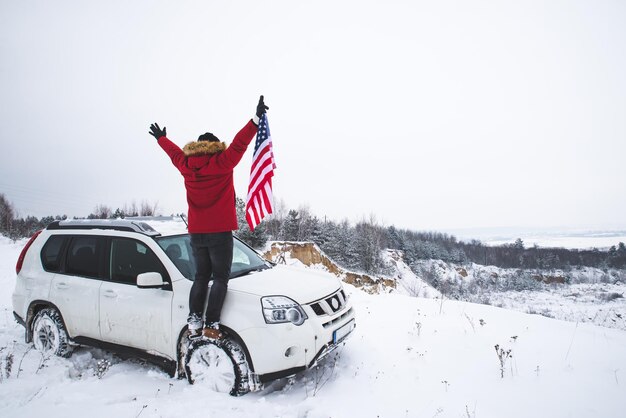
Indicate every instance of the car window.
{"type": "Point", "coordinates": [244, 258]}
{"type": "Point", "coordinates": [82, 256]}
{"type": "Point", "coordinates": [129, 258]}
{"type": "Point", "coordinates": [51, 253]}
{"type": "Point", "coordinates": [178, 249]}
{"type": "Point", "coordinates": [240, 258]}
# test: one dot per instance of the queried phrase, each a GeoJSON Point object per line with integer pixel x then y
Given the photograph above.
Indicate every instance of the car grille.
{"type": "Point", "coordinates": [338, 319]}
{"type": "Point", "coordinates": [329, 305]}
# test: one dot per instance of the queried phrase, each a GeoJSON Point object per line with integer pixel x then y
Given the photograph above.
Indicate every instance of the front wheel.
{"type": "Point", "coordinates": [49, 334]}
{"type": "Point", "coordinates": [220, 365]}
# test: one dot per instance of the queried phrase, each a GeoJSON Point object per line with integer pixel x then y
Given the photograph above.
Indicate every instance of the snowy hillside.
{"type": "Point", "coordinates": [579, 295]}
{"type": "Point", "coordinates": [409, 357]}
{"type": "Point", "coordinates": [408, 283]}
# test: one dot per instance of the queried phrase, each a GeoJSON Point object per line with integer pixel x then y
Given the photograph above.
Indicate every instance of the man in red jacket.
{"type": "Point", "coordinates": [207, 167]}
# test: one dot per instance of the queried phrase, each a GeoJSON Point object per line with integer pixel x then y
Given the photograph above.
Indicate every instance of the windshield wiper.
{"type": "Point", "coordinates": [248, 271]}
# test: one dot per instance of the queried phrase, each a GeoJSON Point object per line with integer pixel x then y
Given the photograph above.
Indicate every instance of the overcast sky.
{"type": "Point", "coordinates": [426, 114]}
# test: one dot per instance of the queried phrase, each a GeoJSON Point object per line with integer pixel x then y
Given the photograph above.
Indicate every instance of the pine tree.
{"type": "Point", "coordinates": [256, 238]}
{"type": "Point", "coordinates": [118, 214]}
{"type": "Point", "coordinates": [394, 240]}
{"type": "Point", "coordinates": [291, 226]}
{"type": "Point", "coordinates": [7, 215]}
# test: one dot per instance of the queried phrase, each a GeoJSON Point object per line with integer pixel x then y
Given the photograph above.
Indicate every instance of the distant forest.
{"type": "Point", "coordinates": [359, 247]}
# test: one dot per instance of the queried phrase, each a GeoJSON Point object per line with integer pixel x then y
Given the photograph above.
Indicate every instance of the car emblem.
{"type": "Point", "coordinates": [335, 303]}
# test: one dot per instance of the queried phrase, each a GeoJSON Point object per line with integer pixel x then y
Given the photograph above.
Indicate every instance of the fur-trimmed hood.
{"type": "Point", "coordinates": [198, 148]}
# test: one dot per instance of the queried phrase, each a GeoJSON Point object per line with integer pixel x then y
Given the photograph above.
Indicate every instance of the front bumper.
{"type": "Point", "coordinates": [326, 349]}
{"type": "Point", "coordinates": [281, 350]}
{"type": "Point", "coordinates": [338, 339]}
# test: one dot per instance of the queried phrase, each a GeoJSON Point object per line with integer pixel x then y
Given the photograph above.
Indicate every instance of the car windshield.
{"type": "Point", "coordinates": [178, 249]}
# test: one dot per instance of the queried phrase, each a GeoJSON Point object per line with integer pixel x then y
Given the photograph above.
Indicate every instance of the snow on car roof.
{"type": "Point", "coordinates": [115, 224]}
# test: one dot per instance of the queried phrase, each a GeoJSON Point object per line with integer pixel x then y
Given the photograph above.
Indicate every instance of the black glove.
{"type": "Point", "coordinates": [261, 108]}
{"type": "Point", "coordinates": [156, 132]}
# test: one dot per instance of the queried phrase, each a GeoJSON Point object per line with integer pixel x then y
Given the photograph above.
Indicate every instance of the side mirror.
{"type": "Point", "coordinates": [149, 280]}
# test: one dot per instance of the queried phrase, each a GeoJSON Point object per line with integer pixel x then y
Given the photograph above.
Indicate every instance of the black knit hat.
{"type": "Point", "coordinates": [208, 137]}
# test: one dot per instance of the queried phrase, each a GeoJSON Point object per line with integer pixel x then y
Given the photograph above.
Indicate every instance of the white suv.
{"type": "Point", "coordinates": [120, 285]}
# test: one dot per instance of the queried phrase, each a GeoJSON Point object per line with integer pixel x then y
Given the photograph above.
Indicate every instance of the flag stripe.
{"type": "Point", "coordinates": [268, 171]}
{"type": "Point", "coordinates": [269, 196]}
{"type": "Point", "coordinates": [262, 148]}
{"type": "Point", "coordinates": [250, 218]}
{"type": "Point", "coordinates": [259, 175]}
{"type": "Point", "coordinates": [264, 159]}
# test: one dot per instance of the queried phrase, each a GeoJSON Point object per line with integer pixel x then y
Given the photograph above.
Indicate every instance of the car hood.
{"type": "Point", "coordinates": [303, 286]}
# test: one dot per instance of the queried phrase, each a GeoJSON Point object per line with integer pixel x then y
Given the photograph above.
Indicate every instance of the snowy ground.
{"type": "Point", "coordinates": [595, 296]}
{"type": "Point", "coordinates": [409, 357]}
{"type": "Point", "coordinates": [600, 304]}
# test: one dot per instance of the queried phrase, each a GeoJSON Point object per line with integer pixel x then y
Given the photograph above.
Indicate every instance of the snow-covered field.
{"type": "Point", "coordinates": [409, 357]}
{"type": "Point", "coordinates": [600, 304]}
{"type": "Point", "coordinates": [546, 237]}
{"type": "Point", "coordinates": [594, 296]}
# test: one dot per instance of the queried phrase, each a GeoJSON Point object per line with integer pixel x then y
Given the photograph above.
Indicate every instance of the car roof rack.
{"type": "Point", "coordinates": [114, 224]}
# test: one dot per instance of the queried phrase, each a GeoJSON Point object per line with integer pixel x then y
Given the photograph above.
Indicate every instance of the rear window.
{"type": "Point", "coordinates": [82, 256]}
{"type": "Point", "coordinates": [130, 258]}
{"type": "Point", "coordinates": [52, 252]}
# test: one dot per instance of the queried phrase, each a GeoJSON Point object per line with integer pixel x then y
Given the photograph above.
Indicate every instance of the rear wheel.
{"type": "Point", "coordinates": [49, 334]}
{"type": "Point", "coordinates": [220, 365]}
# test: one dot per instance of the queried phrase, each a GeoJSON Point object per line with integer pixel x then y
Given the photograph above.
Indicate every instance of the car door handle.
{"type": "Point", "coordinates": [61, 286]}
{"type": "Point", "coordinates": [110, 294]}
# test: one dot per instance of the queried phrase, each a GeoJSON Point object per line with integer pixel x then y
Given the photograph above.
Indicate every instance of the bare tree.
{"type": "Point", "coordinates": [130, 210]}
{"type": "Point", "coordinates": [7, 214]}
{"type": "Point", "coordinates": [102, 212]}
{"type": "Point", "coordinates": [148, 209]}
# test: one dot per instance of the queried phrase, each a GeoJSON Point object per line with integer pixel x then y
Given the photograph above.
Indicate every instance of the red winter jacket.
{"type": "Point", "coordinates": [208, 171]}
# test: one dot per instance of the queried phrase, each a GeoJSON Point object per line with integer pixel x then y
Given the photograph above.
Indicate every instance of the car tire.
{"type": "Point", "coordinates": [49, 334]}
{"type": "Point", "coordinates": [220, 365]}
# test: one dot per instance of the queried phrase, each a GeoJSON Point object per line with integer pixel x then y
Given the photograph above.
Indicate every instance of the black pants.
{"type": "Point", "coordinates": [213, 255]}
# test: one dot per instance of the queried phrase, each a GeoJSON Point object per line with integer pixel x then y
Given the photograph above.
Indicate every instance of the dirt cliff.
{"type": "Point", "coordinates": [309, 254]}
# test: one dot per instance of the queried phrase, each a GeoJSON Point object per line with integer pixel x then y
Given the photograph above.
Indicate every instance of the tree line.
{"type": "Point", "coordinates": [359, 247]}
{"type": "Point", "coordinates": [16, 227]}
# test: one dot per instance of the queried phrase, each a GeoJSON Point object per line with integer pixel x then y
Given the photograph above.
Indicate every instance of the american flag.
{"type": "Point", "coordinates": [260, 200]}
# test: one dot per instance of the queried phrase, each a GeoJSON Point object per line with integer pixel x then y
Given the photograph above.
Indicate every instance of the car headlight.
{"type": "Point", "coordinates": [281, 309]}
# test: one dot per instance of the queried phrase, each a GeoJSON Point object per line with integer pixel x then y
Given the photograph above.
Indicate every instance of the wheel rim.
{"type": "Point", "coordinates": [46, 335]}
{"type": "Point", "coordinates": [212, 367]}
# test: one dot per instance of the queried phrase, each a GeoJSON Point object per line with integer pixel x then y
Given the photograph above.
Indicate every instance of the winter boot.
{"type": "Point", "coordinates": [194, 325]}
{"type": "Point", "coordinates": [212, 331]}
